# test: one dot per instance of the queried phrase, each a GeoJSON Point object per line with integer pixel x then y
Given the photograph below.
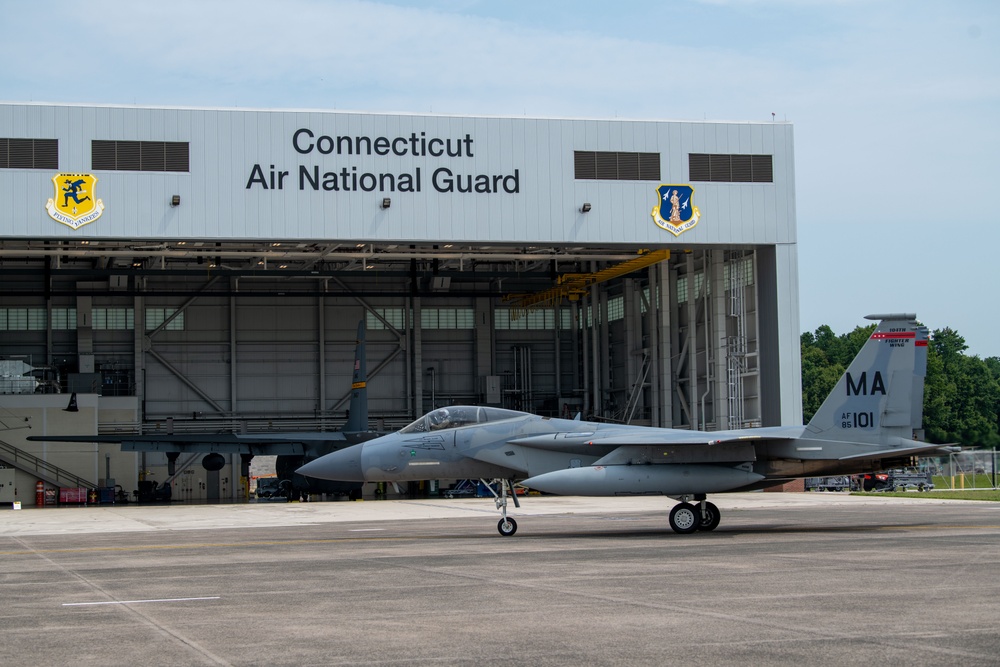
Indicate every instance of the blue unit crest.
{"type": "Point", "coordinates": [675, 211]}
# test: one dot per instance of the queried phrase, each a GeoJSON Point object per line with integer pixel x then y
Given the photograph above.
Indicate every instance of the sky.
{"type": "Point", "coordinates": [895, 104]}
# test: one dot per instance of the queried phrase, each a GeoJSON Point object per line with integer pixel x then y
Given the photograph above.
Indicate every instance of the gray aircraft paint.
{"type": "Point", "coordinates": [866, 424]}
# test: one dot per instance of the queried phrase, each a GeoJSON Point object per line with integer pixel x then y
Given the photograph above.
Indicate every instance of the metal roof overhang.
{"type": "Point", "coordinates": [498, 270]}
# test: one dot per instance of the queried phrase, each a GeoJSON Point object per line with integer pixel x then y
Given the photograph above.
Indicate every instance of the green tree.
{"type": "Point", "coordinates": [949, 345]}
{"type": "Point", "coordinates": [993, 365]}
{"type": "Point", "coordinates": [939, 396]}
{"type": "Point", "coordinates": [962, 393]}
{"type": "Point", "coordinates": [819, 377]}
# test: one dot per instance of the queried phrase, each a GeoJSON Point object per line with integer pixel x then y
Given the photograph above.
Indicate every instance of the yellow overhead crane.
{"type": "Point", "coordinates": [574, 285]}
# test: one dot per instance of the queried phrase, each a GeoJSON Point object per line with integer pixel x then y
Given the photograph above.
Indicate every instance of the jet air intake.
{"type": "Point", "coordinates": [663, 479]}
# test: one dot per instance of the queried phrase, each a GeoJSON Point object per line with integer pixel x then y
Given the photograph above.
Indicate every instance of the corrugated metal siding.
{"type": "Point", "coordinates": [225, 144]}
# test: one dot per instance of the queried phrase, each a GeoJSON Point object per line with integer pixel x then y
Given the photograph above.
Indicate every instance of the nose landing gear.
{"type": "Point", "coordinates": [506, 525]}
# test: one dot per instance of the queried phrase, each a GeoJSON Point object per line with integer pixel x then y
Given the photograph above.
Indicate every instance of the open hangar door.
{"type": "Point", "coordinates": [250, 336]}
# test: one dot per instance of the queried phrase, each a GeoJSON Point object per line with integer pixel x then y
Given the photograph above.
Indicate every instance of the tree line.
{"type": "Point", "coordinates": [961, 392]}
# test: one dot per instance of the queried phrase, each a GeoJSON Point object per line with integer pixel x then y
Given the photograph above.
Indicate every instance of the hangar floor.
{"type": "Point", "coordinates": [786, 579]}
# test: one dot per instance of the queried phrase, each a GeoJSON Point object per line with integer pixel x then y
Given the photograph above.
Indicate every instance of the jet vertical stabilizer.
{"type": "Point", "coordinates": [357, 418]}
{"type": "Point", "coordinates": [881, 394]}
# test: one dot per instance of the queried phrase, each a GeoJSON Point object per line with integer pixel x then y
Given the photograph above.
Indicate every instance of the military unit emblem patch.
{"type": "Point", "coordinates": [675, 212]}
{"type": "Point", "coordinates": [75, 203]}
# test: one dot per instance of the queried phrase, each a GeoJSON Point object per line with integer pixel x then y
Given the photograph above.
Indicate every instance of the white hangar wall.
{"type": "Point", "coordinates": [237, 156]}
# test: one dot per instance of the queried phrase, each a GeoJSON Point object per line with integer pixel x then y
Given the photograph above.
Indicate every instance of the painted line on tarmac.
{"type": "Point", "coordinates": [231, 545]}
{"type": "Point", "coordinates": [91, 604]}
{"type": "Point", "coordinates": [929, 526]}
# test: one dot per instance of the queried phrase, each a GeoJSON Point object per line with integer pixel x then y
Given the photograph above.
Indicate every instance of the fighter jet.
{"type": "Point", "coordinates": [291, 449]}
{"type": "Point", "coordinates": [866, 424]}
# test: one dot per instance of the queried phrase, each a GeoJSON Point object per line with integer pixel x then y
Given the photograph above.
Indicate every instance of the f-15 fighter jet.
{"type": "Point", "coordinates": [866, 424]}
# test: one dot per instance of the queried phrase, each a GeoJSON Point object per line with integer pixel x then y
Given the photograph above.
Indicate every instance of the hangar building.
{"type": "Point", "coordinates": [191, 270]}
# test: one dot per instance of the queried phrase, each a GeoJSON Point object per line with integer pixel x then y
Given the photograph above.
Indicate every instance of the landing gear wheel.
{"type": "Point", "coordinates": [507, 527]}
{"type": "Point", "coordinates": [684, 518]}
{"type": "Point", "coordinates": [711, 519]}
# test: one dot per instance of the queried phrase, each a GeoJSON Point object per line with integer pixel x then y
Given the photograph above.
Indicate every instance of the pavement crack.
{"type": "Point", "coordinates": [145, 619]}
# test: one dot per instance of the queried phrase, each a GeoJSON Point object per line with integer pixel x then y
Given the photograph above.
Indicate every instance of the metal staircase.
{"type": "Point", "coordinates": [43, 470]}
{"type": "Point", "coordinates": [736, 347]}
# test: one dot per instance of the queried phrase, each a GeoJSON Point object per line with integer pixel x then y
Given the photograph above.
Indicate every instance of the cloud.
{"type": "Point", "coordinates": [894, 103]}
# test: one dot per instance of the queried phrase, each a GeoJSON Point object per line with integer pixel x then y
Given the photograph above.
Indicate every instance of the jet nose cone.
{"type": "Point", "coordinates": [341, 466]}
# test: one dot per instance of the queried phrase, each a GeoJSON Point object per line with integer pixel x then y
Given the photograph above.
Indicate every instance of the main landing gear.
{"type": "Point", "coordinates": [687, 518]}
{"type": "Point", "coordinates": [506, 525]}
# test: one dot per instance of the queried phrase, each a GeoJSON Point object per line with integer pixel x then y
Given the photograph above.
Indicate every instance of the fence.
{"type": "Point", "coordinates": [973, 470]}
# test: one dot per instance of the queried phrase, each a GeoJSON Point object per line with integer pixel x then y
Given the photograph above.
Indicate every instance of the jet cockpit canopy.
{"type": "Point", "coordinates": [454, 416]}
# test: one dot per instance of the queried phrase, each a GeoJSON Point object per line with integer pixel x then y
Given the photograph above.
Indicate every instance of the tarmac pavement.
{"type": "Point", "coordinates": [816, 578]}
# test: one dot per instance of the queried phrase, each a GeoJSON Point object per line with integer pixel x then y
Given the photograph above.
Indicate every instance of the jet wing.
{"type": "Point", "coordinates": [650, 436]}
{"type": "Point", "coordinates": [741, 446]}
{"type": "Point", "coordinates": [258, 444]}
{"type": "Point", "coordinates": [639, 445]}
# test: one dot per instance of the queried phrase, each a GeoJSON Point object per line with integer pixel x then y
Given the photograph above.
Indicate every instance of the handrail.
{"type": "Point", "coordinates": [32, 464]}
{"type": "Point", "coordinates": [633, 400]}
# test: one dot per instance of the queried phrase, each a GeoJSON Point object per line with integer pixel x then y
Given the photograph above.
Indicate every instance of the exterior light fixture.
{"type": "Point", "coordinates": [175, 200]}
{"type": "Point", "coordinates": [585, 208]}
{"type": "Point", "coordinates": [386, 202]}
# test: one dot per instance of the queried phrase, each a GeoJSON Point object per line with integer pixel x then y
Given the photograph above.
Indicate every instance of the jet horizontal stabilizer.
{"type": "Point", "coordinates": [646, 435]}
{"type": "Point", "coordinates": [920, 448]}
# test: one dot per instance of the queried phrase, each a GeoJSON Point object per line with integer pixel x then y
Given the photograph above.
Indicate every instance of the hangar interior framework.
{"type": "Point", "coordinates": [200, 331]}
{"type": "Point", "coordinates": [246, 335]}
